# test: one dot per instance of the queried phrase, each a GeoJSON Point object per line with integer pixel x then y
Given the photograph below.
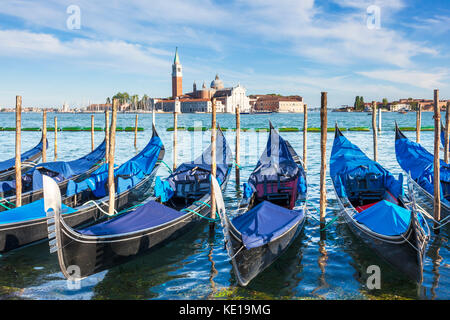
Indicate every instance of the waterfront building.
{"type": "Point", "coordinates": [276, 103]}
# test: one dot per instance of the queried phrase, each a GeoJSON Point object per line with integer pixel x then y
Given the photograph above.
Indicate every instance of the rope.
{"type": "Point", "coordinates": [318, 211]}
{"type": "Point", "coordinates": [167, 166]}
{"type": "Point", "coordinates": [200, 215]}
{"type": "Point", "coordinates": [329, 223]}
{"type": "Point", "coordinates": [201, 202]}
{"type": "Point", "coordinates": [239, 167]}
{"type": "Point", "coordinates": [8, 202]}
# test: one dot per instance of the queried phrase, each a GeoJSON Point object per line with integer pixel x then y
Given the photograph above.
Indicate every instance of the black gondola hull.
{"type": "Point", "coordinates": [16, 235]}
{"type": "Point", "coordinates": [95, 254]}
{"type": "Point", "coordinates": [248, 263]}
{"type": "Point", "coordinates": [399, 253]}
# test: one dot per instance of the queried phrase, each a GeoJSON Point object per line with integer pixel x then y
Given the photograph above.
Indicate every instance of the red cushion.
{"type": "Point", "coordinates": [367, 206]}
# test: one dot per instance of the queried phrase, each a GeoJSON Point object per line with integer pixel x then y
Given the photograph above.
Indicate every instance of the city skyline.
{"type": "Point", "coordinates": [344, 47]}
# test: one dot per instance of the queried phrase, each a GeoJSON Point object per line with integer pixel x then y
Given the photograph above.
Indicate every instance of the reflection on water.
{"type": "Point", "coordinates": [196, 266]}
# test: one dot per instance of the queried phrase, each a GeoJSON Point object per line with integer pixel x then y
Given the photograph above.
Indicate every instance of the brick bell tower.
{"type": "Point", "coordinates": [177, 76]}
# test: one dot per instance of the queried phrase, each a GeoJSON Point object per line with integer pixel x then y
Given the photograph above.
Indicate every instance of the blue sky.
{"type": "Point", "coordinates": [285, 46]}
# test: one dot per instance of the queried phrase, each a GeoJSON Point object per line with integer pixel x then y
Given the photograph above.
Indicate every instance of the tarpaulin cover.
{"type": "Point", "coordinates": [416, 160]}
{"type": "Point", "coordinates": [58, 170]}
{"type": "Point", "coordinates": [385, 218]}
{"type": "Point", "coordinates": [202, 164]}
{"type": "Point", "coordinates": [275, 164]}
{"type": "Point", "coordinates": [31, 211]}
{"type": "Point", "coordinates": [149, 215]}
{"type": "Point", "coordinates": [10, 163]}
{"type": "Point", "coordinates": [265, 222]}
{"type": "Point", "coordinates": [349, 162]}
{"type": "Point", "coordinates": [126, 176]}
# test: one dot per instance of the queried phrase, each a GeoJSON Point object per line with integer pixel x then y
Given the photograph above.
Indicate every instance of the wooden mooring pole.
{"type": "Point", "coordinates": [44, 135]}
{"type": "Point", "coordinates": [237, 151]}
{"type": "Point", "coordinates": [112, 148]}
{"type": "Point", "coordinates": [446, 133]}
{"type": "Point", "coordinates": [92, 132]}
{"type": "Point", "coordinates": [379, 119]}
{"type": "Point", "coordinates": [437, 177]}
{"type": "Point", "coordinates": [418, 123]}
{"type": "Point", "coordinates": [135, 131]}
{"type": "Point", "coordinates": [175, 128]}
{"type": "Point", "coordinates": [55, 119]}
{"type": "Point", "coordinates": [374, 129]}
{"type": "Point", "coordinates": [107, 135]}
{"type": "Point", "coordinates": [323, 159]}
{"type": "Point", "coordinates": [18, 164]}
{"type": "Point", "coordinates": [305, 136]}
{"type": "Point", "coordinates": [153, 113]}
{"type": "Point", "coordinates": [213, 162]}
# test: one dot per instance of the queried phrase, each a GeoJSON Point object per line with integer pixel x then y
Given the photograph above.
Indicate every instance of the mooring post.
{"type": "Point", "coordinates": [213, 163]}
{"type": "Point", "coordinates": [379, 119]}
{"type": "Point", "coordinates": [112, 148]}
{"type": "Point", "coordinates": [447, 131]}
{"type": "Point", "coordinates": [153, 113]}
{"type": "Point", "coordinates": [418, 123]}
{"type": "Point", "coordinates": [44, 135]}
{"type": "Point", "coordinates": [323, 158]}
{"type": "Point", "coordinates": [107, 135]}
{"type": "Point", "coordinates": [305, 136]}
{"type": "Point", "coordinates": [374, 129]}
{"type": "Point", "coordinates": [175, 128]}
{"type": "Point", "coordinates": [92, 132]}
{"type": "Point", "coordinates": [18, 164]}
{"type": "Point", "coordinates": [135, 131]}
{"type": "Point", "coordinates": [55, 119]}
{"type": "Point", "coordinates": [437, 178]}
{"type": "Point", "coordinates": [237, 151]}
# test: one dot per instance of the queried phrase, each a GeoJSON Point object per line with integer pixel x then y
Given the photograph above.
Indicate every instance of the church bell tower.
{"type": "Point", "coordinates": [177, 76]}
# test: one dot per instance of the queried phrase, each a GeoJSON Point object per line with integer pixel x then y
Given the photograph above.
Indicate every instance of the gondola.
{"type": "Point", "coordinates": [61, 171]}
{"type": "Point", "coordinates": [179, 202]}
{"type": "Point", "coordinates": [272, 213]}
{"type": "Point", "coordinates": [28, 160]}
{"type": "Point", "coordinates": [414, 159]}
{"type": "Point", "coordinates": [374, 206]}
{"type": "Point", "coordinates": [86, 200]}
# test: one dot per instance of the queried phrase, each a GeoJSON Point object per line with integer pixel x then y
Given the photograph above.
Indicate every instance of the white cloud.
{"type": "Point", "coordinates": [425, 80]}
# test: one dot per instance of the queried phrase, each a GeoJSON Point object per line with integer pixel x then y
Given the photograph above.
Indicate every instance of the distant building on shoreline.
{"type": "Point", "coordinates": [199, 100]}
{"type": "Point", "coordinates": [277, 103]}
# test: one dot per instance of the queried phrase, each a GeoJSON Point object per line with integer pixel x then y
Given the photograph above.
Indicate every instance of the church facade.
{"type": "Point", "coordinates": [199, 100]}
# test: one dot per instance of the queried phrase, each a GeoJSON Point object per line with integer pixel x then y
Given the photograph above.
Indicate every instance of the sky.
{"type": "Point", "coordinates": [58, 51]}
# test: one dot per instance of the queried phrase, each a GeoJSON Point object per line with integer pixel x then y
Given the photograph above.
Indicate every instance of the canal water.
{"type": "Point", "coordinates": [196, 266]}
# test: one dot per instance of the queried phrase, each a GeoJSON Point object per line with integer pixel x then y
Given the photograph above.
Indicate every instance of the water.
{"type": "Point", "coordinates": [196, 265]}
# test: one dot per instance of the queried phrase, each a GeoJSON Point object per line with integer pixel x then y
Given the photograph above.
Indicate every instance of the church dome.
{"type": "Point", "coordinates": [217, 83]}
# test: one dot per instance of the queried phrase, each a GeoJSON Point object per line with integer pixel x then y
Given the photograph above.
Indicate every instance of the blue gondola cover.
{"type": "Point", "coordinates": [31, 211]}
{"type": "Point", "coordinates": [149, 215]}
{"type": "Point", "coordinates": [416, 160]}
{"type": "Point", "coordinates": [58, 170]}
{"type": "Point", "coordinates": [127, 175]}
{"type": "Point", "coordinates": [265, 222]}
{"type": "Point", "coordinates": [348, 163]}
{"type": "Point", "coordinates": [385, 218]}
